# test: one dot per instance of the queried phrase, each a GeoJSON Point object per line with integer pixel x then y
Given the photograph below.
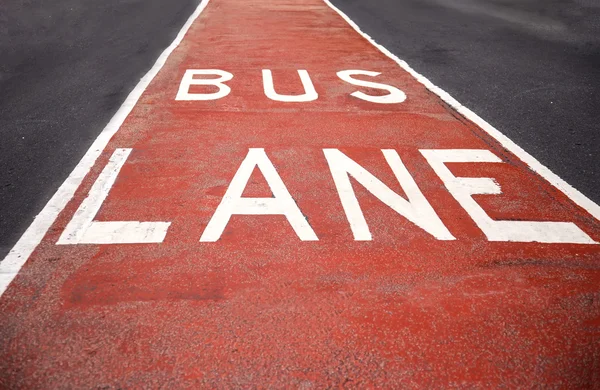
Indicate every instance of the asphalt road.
{"type": "Point", "coordinates": [531, 68]}
{"type": "Point", "coordinates": [65, 68]}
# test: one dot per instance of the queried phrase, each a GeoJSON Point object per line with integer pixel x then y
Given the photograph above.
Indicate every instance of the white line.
{"type": "Point", "coordinates": [580, 199]}
{"type": "Point", "coordinates": [84, 216]}
{"type": "Point", "coordinates": [84, 230]}
{"type": "Point", "coordinates": [15, 259]}
{"type": "Point", "coordinates": [12, 263]}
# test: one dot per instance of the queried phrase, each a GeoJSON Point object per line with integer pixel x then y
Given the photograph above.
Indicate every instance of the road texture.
{"type": "Point", "coordinates": [281, 203]}
{"type": "Point", "coordinates": [65, 68]}
{"type": "Point", "coordinates": [529, 67]}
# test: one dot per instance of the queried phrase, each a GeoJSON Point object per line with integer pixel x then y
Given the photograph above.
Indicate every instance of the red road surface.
{"type": "Point", "coordinates": [262, 307]}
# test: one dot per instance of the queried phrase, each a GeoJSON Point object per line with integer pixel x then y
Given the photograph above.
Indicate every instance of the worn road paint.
{"type": "Point", "coordinates": [269, 267]}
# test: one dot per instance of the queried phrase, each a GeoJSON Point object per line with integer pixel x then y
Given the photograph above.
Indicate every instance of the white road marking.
{"type": "Point", "coordinates": [281, 203]}
{"type": "Point", "coordinates": [12, 263]}
{"type": "Point", "coordinates": [416, 209]}
{"type": "Point", "coordinates": [188, 80]}
{"type": "Point", "coordinates": [394, 96]}
{"type": "Point", "coordinates": [577, 197]}
{"type": "Point", "coordinates": [309, 94]}
{"type": "Point", "coordinates": [463, 188]}
{"type": "Point", "coordinates": [82, 229]}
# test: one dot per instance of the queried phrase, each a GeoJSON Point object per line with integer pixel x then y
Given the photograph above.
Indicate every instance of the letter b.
{"type": "Point", "coordinates": [188, 80]}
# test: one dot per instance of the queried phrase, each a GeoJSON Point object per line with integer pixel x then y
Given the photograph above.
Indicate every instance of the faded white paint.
{"type": "Point", "coordinates": [309, 94]}
{"type": "Point", "coordinates": [417, 209]}
{"type": "Point", "coordinates": [189, 79]}
{"type": "Point", "coordinates": [82, 229]}
{"type": "Point", "coordinates": [463, 188]}
{"type": "Point", "coordinates": [281, 203]}
{"type": "Point", "coordinates": [394, 96]}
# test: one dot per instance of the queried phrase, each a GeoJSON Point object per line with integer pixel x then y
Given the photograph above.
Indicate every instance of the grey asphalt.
{"type": "Point", "coordinates": [65, 68]}
{"type": "Point", "coordinates": [529, 67]}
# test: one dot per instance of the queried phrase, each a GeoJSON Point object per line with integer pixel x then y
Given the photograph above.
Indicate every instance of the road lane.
{"type": "Point", "coordinates": [530, 68]}
{"type": "Point", "coordinates": [65, 68]}
{"type": "Point", "coordinates": [363, 235]}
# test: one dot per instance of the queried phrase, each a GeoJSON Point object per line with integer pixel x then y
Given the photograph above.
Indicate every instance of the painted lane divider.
{"type": "Point", "coordinates": [282, 202]}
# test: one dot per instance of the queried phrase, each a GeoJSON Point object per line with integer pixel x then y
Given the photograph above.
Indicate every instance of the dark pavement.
{"type": "Point", "coordinates": [65, 68]}
{"type": "Point", "coordinates": [530, 68]}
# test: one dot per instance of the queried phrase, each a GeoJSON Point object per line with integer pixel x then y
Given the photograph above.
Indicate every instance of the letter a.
{"type": "Point", "coordinates": [281, 203]}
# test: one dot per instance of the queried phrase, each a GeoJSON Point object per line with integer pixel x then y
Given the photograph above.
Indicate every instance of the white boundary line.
{"type": "Point", "coordinates": [12, 263]}
{"type": "Point", "coordinates": [580, 199]}
{"type": "Point", "coordinates": [19, 254]}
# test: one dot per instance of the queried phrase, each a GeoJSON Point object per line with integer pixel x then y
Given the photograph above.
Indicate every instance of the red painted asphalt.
{"type": "Point", "coordinates": [262, 307]}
